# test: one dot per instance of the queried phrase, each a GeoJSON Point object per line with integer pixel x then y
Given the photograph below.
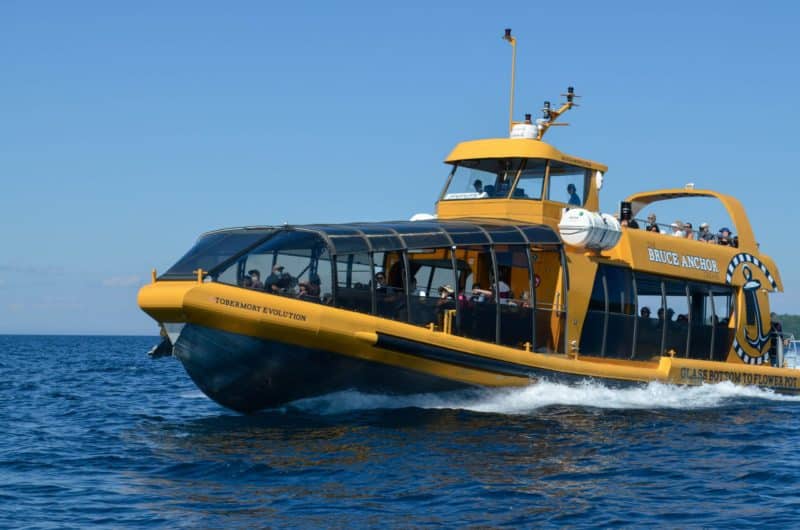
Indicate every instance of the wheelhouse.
{"type": "Point", "coordinates": [493, 281]}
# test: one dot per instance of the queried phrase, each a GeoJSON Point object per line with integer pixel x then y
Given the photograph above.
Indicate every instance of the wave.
{"type": "Point", "coordinates": [524, 400]}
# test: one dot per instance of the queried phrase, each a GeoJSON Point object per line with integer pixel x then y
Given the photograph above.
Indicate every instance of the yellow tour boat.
{"type": "Point", "coordinates": [515, 279]}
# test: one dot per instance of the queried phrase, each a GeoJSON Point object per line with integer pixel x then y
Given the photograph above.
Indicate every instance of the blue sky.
{"type": "Point", "coordinates": [127, 129]}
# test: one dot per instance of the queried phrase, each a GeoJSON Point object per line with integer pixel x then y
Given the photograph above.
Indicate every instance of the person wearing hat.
{"type": "Point", "coordinates": [255, 279]}
{"type": "Point", "coordinates": [677, 229]}
{"type": "Point", "coordinates": [279, 281]}
{"type": "Point", "coordinates": [704, 234]}
{"type": "Point", "coordinates": [310, 290]}
{"type": "Point", "coordinates": [651, 224]}
{"type": "Point", "coordinates": [724, 236]}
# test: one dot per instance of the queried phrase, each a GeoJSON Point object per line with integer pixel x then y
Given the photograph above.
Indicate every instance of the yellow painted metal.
{"type": "Point", "coordinates": [747, 241]}
{"type": "Point", "coordinates": [515, 148]}
{"type": "Point", "coordinates": [258, 314]}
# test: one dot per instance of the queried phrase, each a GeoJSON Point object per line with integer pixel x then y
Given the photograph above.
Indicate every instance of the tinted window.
{"type": "Point", "coordinates": [213, 249]}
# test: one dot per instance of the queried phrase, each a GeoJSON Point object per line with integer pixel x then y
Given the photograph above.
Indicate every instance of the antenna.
{"type": "Point", "coordinates": [511, 40]}
{"type": "Point", "coordinates": [550, 115]}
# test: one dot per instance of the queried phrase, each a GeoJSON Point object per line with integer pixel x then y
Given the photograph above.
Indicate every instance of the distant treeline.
{"type": "Point", "coordinates": [790, 323]}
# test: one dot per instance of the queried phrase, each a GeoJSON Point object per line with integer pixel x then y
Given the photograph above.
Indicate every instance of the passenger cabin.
{"type": "Point", "coordinates": [437, 274]}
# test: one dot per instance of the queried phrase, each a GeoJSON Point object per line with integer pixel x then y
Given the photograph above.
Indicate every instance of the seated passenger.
{"type": "Point", "coordinates": [380, 282]}
{"type": "Point", "coordinates": [479, 295]}
{"type": "Point", "coordinates": [645, 312]}
{"type": "Point", "coordinates": [310, 290]}
{"type": "Point", "coordinates": [677, 229]}
{"type": "Point", "coordinates": [651, 224]}
{"type": "Point", "coordinates": [489, 191]}
{"type": "Point", "coordinates": [705, 235]}
{"type": "Point", "coordinates": [573, 197]}
{"type": "Point", "coordinates": [724, 236]}
{"type": "Point", "coordinates": [445, 293]}
{"type": "Point", "coordinates": [670, 312]}
{"type": "Point", "coordinates": [279, 282]}
{"type": "Point", "coordinates": [687, 227]}
{"type": "Point", "coordinates": [246, 282]}
{"type": "Point", "coordinates": [255, 278]}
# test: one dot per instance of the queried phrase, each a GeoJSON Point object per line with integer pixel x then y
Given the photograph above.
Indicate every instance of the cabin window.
{"type": "Point", "coordinates": [609, 326]}
{"type": "Point", "coordinates": [485, 178]}
{"type": "Point", "coordinates": [513, 288]}
{"type": "Point", "coordinates": [390, 292]}
{"type": "Point", "coordinates": [567, 183]}
{"type": "Point", "coordinates": [354, 278]}
{"type": "Point", "coordinates": [477, 307]}
{"type": "Point", "coordinates": [676, 317]}
{"type": "Point", "coordinates": [650, 304]}
{"type": "Point", "coordinates": [433, 284]}
{"type": "Point", "coordinates": [291, 263]}
{"type": "Point", "coordinates": [214, 250]}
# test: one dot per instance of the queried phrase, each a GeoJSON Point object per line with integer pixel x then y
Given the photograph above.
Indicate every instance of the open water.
{"type": "Point", "coordinates": [95, 433]}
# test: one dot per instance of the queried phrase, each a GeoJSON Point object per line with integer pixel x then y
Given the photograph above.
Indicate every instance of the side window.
{"type": "Point", "coordinates": [676, 317]}
{"type": "Point", "coordinates": [354, 277]}
{"type": "Point", "coordinates": [433, 286]}
{"type": "Point", "coordinates": [389, 285]}
{"type": "Point", "coordinates": [567, 183]}
{"type": "Point", "coordinates": [650, 302]}
{"type": "Point", "coordinates": [280, 265]}
{"type": "Point", "coordinates": [610, 334]}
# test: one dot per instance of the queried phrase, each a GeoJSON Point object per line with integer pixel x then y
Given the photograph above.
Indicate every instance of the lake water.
{"type": "Point", "coordinates": [95, 433]}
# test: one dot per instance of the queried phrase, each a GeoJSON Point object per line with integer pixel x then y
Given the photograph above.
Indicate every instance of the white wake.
{"type": "Point", "coordinates": [544, 394]}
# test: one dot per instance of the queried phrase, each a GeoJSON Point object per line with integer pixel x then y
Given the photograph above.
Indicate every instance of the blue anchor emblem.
{"type": "Point", "coordinates": [750, 288]}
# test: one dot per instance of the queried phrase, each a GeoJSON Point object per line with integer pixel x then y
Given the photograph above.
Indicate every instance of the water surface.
{"type": "Point", "coordinates": [98, 434]}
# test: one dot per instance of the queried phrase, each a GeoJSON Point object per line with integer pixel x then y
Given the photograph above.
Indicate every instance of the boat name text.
{"type": "Point", "coordinates": [695, 375]}
{"type": "Point", "coordinates": [687, 262]}
{"type": "Point", "coordinates": [271, 311]}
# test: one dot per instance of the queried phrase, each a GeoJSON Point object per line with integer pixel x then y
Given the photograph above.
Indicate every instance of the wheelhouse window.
{"type": "Point", "coordinates": [531, 180]}
{"type": "Point", "coordinates": [567, 183]}
{"type": "Point", "coordinates": [485, 178]}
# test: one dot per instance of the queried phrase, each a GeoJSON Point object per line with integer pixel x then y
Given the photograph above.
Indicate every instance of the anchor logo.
{"type": "Point", "coordinates": [751, 349]}
{"type": "Point", "coordinates": [751, 288]}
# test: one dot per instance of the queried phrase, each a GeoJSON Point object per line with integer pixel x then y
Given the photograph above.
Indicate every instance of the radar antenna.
{"type": "Point", "coordinates": [550, 115]}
